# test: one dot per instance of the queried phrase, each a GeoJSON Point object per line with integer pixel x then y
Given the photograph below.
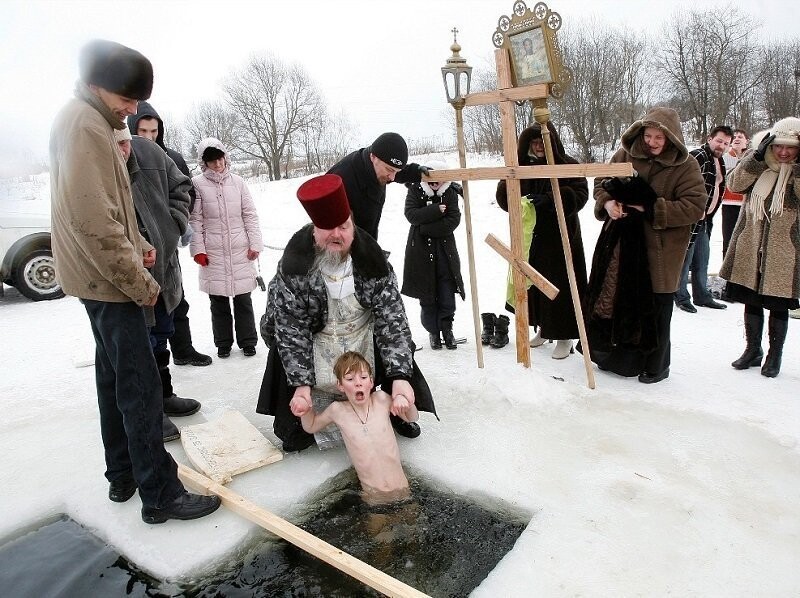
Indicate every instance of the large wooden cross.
{"type": "Point", "coordinates": [506, 95]}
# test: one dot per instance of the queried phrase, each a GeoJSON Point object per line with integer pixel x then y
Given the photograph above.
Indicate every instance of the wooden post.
{"type": "Point", "coordinates": [367, 574]}
{"type": "Point", "coordinates": [473, 280]}
{"type": "Point", "coordinates": [508, 122]}
{"type": "Point", "coordinates": [542, 116]}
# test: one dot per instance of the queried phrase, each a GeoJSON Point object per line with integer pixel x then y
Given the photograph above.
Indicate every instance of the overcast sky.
{"type": "Point", "coordinates": [377, 60]}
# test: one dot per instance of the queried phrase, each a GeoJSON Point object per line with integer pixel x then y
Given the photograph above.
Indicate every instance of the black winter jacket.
{"type": "Point", "coordinates": [365, 194]}
{"type": "Point", "coordinates": [430, 238]}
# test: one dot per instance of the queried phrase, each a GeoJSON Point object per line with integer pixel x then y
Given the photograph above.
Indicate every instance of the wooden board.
{"type": "Point", "coordinates": [361, 571]}
{"type": "Point", "coordinates": [227, 446]}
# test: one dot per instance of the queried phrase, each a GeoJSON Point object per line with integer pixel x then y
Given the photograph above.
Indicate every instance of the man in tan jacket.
{"type": "Point", "coordinates": [102, 259]}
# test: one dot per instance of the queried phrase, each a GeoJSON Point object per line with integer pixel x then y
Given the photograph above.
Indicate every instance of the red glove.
{"type": "Point", "coordinates": [202, 259]}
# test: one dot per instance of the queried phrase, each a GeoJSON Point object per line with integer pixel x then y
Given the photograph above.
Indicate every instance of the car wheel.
{"type": "Point", "coordinates": [35, 276]}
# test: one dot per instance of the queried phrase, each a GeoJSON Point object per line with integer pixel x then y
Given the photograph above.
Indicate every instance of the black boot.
{"type": "Point", "coordinates": [436, 342]}
{"type": "Point", "coordinates": [500, 338]}
{"type": "Point", "coordinates": [447, 335]}
{"type": "Point", "coordinates": [777, 336]}
{"type": "Point", "coordinates": [753, 354]}
{"type": "Point", "coordinates": [173, 404]}
{"type": "Point", "coordinates": [488, 328]}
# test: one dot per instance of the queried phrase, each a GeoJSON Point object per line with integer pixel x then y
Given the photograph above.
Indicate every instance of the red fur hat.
{"type": "Point", "coordinates": [324, 199]}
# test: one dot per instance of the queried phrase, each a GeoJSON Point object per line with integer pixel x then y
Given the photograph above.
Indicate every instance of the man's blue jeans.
{"type": "Point", "coordinates": [697, 261]}
{"type": "Point", "coordinates": [130, 402]}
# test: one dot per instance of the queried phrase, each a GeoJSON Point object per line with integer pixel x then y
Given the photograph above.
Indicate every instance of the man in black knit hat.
{"type": "Point", "coordinates": [366, 172]}
{"type": "Point", "coordinates": [102, 258]}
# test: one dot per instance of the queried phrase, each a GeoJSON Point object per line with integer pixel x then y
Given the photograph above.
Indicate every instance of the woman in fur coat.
{"type": "Point", "coordinates": [225, 243]}
{"type": "Point", "coordinates": [432, 269]}
{"type": "Point", "coordinates": [638, 258]}
{"type": "Point", "coordinates": [762, 265]}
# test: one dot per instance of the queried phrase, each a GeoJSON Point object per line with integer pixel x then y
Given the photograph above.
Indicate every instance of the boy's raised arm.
{"type": "Point", "coordinates": [314, 422]}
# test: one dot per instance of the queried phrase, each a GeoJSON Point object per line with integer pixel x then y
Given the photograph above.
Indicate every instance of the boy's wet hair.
{"type": "Point", "coordinates": [351, 361]}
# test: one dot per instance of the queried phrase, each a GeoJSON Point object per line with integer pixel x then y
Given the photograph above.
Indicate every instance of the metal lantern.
{"type": "Point", "coordinates": [456, 74]}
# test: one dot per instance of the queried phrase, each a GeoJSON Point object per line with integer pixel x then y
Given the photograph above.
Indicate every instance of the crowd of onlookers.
{"type": "Point", "coordinates": [335, 323]}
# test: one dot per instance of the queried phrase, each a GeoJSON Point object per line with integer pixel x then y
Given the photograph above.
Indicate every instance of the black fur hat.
{"type": "Point", "coordinates": [116, 68]}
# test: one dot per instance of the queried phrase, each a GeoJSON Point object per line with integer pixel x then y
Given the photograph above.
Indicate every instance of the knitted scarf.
{"type": "Point", "coordinates": [771, 182]}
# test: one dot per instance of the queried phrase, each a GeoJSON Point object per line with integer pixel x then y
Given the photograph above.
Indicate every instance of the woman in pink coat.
{"type": "Point", "coordinates": [226, 241]}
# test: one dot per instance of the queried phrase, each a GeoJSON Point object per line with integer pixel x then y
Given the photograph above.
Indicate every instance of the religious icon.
{"type": "Point", "coordinates": [529, 37]}
{"type": "Point", "coordinates": [530, 57]}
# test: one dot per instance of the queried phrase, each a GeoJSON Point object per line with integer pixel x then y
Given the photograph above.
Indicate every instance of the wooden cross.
{"type": "Point", "coordinates": [506, 95]}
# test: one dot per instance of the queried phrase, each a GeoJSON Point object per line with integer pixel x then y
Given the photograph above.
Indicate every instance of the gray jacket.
{"type": "Point", "coordinates": [161, 198]}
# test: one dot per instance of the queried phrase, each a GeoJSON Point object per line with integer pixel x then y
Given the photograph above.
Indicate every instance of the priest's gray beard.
{"type": "Point", "coordinates": [329, 261]}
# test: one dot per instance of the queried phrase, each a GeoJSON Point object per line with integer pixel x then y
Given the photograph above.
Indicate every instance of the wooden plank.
{"type": "Point", "coordinates": [509, 128]}
{"type": "Point", "coordinates": [545, 286]}
{"type": "Point", "coordinates": [531, 172]}
{"type": "Point", "coordinates": [542, 115]}
{"type": "Point", "coordinates": [473, 278]}
{"type": "Point", "coordinates": [354, 567]}
{"type": "Point", "coordinates": [514, 94]}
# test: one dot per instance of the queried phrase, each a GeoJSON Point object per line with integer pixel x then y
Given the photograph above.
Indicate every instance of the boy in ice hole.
{"type": "Point", "coordinates": [364, 422]}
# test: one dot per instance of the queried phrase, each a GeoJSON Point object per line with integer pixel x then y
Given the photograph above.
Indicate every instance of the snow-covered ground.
{"type": "Point", "coordinates": [690, 487]}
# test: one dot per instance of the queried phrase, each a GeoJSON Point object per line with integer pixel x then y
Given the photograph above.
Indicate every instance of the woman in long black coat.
{"type": "Point", "coordinates": [554, 320]}
{"type": "Point", "coordinates": [432, 269]}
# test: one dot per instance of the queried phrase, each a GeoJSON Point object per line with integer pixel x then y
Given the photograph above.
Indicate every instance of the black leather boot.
{"type": "Point", "coordinates": [500, 338]}
{"type": "Point", "coordinates": [173, 404]}
{"type": "Point", "coordinates": [488, 328]}
{"type": "Point", "coordinates": [447, 335]}
{"type": "Point", "coordinates": [753, 354]}
{"type": "Point", "coordinates": [436, 341]}
{"type": "Point", "coordinates": [777, 336]}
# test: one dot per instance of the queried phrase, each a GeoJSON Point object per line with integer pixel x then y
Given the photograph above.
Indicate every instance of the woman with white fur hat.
{"type": "Point", "coordinates": [762, 265]}
{"type": "Point", "coordinates": [432, 269]}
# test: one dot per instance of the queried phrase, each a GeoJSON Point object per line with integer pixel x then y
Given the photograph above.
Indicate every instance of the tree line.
{"type": "Point", "coordinates": [712, 66]}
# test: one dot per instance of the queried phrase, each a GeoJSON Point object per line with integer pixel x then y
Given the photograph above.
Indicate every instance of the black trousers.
{"type": "Point", "coordinates": [181, 340]}
{"type": "Point", "coordinates": [242, 320]}
{"type": "Point", "coordinates": [730, 214]}
{"type": "Point", "coordinates": [130, 402]}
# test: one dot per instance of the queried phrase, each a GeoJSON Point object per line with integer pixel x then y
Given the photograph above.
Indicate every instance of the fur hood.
{"type": "Point", "coordinates": [662, 118]}
{"type": "Point", "coordinates": [535, 132]}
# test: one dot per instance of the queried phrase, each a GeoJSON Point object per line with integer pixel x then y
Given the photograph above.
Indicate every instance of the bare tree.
{"type": "Point", "coordinates": [482, 131]}
{"type": "Point", "coordinates": [780, 86]}
{"type": "Point", "coordinates": [608, 89]}
{"type": "Point", "coordinates": [325, 140]}
{"type": "Point", "coordinates": [273, 102]}
{"type": "Point", "coordinates": [211, 119]}
{"type": "Point", "coordinates": [708, 57]}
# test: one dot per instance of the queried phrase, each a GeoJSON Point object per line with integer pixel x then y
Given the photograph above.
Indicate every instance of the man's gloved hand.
{"type": "Point", "coordinates": [201, 258]}
{"type": "Point", "coordinates": [458, 188]}
{"type": "Point", "coordinates": [411, 173]}
{"type": "Point", "coordinates": [761, 151]}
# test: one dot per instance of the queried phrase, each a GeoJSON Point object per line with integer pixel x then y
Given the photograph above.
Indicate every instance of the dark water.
{"type": "Point", "coordinates": [438, 542]}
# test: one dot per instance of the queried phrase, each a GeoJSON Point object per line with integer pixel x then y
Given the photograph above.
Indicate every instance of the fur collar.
{"type": "Point", "coordinates": [368, 258]}
{"type": "Point", "coordinates": [426, 188]}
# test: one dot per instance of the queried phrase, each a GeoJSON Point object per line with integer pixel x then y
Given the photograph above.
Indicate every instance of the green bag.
{"type": "Point", "coordinates": [528, 214]}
